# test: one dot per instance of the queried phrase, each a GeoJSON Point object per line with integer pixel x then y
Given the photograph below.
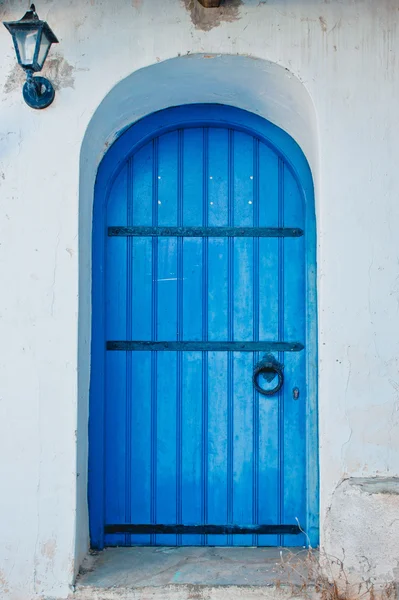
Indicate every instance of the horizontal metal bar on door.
{"type": "Point", "coordinates": [205, 232]}
{"type": "Point", "coordinates": [206, 346]}
{"type": "Point", "coordinates": [204, 529]}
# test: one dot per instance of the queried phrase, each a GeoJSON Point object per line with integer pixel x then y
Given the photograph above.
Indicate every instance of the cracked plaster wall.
{"type": "Point", "coordinates": [346, 55]}
{"type": "Point", "coordinates": [362, 531]}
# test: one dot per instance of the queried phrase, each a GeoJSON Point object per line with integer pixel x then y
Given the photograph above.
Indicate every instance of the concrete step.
{"type": "Point", "coordinates": [196, 592]}
{"type": "Point", "coordinates": [195, 573]}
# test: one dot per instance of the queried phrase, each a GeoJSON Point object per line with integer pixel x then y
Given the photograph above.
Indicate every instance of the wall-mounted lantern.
{"type": "Point", "coordinates": [32, 40]}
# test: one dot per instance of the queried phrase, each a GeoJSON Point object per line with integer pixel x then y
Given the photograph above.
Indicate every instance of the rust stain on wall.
{"type": "Point", "coordinates": [323, 24]}
{"type": "Point", "coordinates": [207, 18]}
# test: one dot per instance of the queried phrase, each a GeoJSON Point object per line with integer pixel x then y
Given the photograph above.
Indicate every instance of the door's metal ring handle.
{"type": "Point", "coordinates": [268, 367]}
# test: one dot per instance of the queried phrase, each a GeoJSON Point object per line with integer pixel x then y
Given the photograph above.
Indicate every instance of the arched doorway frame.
{"type": "Point", "coordinates": [126, 145]}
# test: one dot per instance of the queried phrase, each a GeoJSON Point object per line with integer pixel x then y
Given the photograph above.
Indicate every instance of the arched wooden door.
{"type": "Point", "coordinates": [200, 354]}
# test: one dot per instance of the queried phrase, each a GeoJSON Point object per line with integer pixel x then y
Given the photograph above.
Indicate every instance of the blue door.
{"type": "Point", "coordinates": [204, 350]}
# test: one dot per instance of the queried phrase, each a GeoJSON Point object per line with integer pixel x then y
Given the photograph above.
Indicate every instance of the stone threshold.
{"type": "Point", "coordinates": [195, 573]}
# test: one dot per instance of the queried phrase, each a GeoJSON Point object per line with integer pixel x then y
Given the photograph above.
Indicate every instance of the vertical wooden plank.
{"type": "Point", "coordinates": [218, 410]}
{"type": "Point", "coordinates": [243, 483]}
{"type": "Point", "coordinates": [217, 444]}
{"type": "Point", "coordinates": [243, 180]}
{"type": "Point", "coordinates": [268, 247]}
{"type": "Point", "coordinates": [192, 424]}
{"type": "Point", "coordinates": [167, 179]}
{"type": "Point", "coordinates": [243, 328]}
{"type": "Point", "coordinates": [255, 337]}
{"type": "Point", "coordinates": [218, 178]}
{"type": "Point", "coordinates": [117, 200]}
{"type": "Point", "coordinates": [205, 319]}
{"type": "Point", "coordinates": [193, 177]}
{"type": "Point", "coordinates": [192, 290]}
{"type": "Point", "coordinates": [179, 355]}
{"type": "Point", "coordinates": [115, 375]}
{"type": "Point", "coordinates": [192, 389]}
{"type": "Point", "coordinates": [294, 206]}
{"type": "Point", "coordinates": [129, 357]}
{"type": "Point", "coordinates": [141, 387]}
{"type": "Point", "coordinates": [142, 191]}
{"type": "Point", "coordinates": [166, 484]}
{"type": "Point", "coordinates": [280, 356]}
{"type": "Point", "coordinates": [168, 367]}
{"type": "Point", "coordinates": [217, 303]}
{"type": "Point", "coordinates": [294, 499]}
{"type": "Point", "coordinates": [140, 442]}
{"type": "Point", "coordinates": [153, 399]}
{"type": "Point", "coordinates": [141, 328]}
{"type": "Point", "coordinates": [268, 475]}
{"type": "Point", "coordinates": [230, 336]}
{"type": "Point", "coordinates": [115, 445]}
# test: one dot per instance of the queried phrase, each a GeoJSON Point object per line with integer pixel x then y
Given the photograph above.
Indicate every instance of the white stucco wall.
{"type": "Point", "coordinates": [346, 56]}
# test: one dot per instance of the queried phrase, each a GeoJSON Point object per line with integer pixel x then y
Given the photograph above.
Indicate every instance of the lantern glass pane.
{"type": "Point", "coordinates": [44, 48]}
{"type": "Point", "coordinates": [26, 40]}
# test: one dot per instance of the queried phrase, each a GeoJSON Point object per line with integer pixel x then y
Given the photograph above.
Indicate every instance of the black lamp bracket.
{"type": "Point", "coordinates": [38, 92]}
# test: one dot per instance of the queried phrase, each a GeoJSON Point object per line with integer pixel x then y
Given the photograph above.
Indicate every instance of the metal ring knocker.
{"type": "Point", "coordinates": [268, 366]}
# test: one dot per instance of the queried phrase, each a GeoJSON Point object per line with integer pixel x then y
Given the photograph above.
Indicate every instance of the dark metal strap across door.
{"type": "Point", "coordinates": [204, 529]}
{"type": "Point", "coordinates": [217, 232]}
{"type": "Point", "coordinates": [138, 345]}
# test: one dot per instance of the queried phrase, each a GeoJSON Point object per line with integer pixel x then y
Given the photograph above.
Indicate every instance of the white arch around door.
{"type": "Point", "coordinates": [255, 85]}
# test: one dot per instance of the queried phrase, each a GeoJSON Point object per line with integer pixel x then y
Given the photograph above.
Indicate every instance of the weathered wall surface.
{"type": "Point", "coordinates": [362, 529]}
{"type": "Point", "coordinates": [346, 56]}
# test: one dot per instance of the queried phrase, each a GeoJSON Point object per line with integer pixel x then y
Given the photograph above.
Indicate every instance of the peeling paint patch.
{"type": "Point", "coordinates": [376, 485]}
{"type": "Point", "coordinates": [208, 18]}
{"type": "Point", "coordinates": [48, 549]}
{"type": "Point", "coordinates": [56, 69]}
{"type": "Point", "coordinates": [15, 80]}
{"type": "Point", "coordinates": [59, 71]}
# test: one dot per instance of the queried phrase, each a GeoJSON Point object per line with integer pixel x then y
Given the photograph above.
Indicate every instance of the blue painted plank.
{"type": "Point", "coordinates": [116, 377]}
{"type": "Point", "coordinates": [217, 329]}
{"type": "Point", "coordinates": [166, 495]}
{"type": "Point", "coordinates": [192, 310]}
{"type": "Point", "coordinates": [294, 439]}
{"type": "Point", "coordinates": [242, 178]}
{"type": "Point", "coordinates": [267, 185]}
{"type": "Point", "coordinates": [116, 489]}
{"type": "Point", "coordinates": [167, 179]}
{"type": "Point", "coordinates": [166, 389]}
{"type": "Point", "coordinates": [143, 185]}
{"type": "Point", "coordinates": [218, 480]}
{"type": "Point", "coordinates": [243, 427]}
{"type": "Point", "coordinates": [168, 377]}
{"type": "Point", "coordinates": [140, 442]}
{"type": "Point", "coordinates": [217, 177]}
{"type": "Point", "coordinates": [191, 445]}
{"type": "Point", "coordinates": [192, 176]}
